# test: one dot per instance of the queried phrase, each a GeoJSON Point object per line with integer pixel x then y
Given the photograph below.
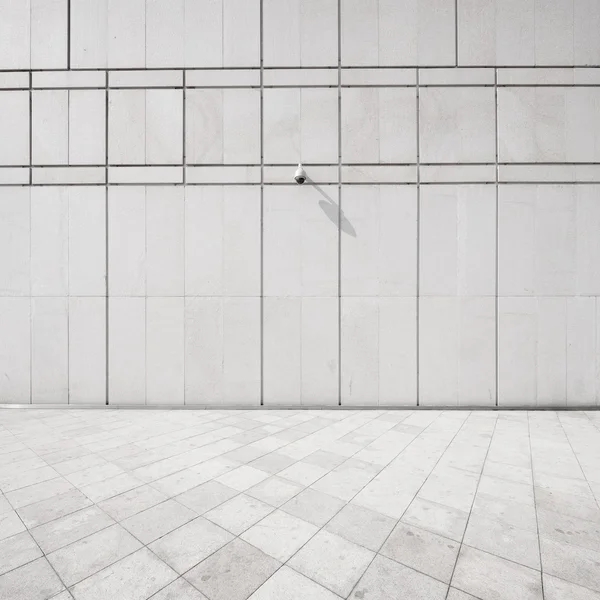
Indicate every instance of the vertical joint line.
{"type": "Point", "coordinates": [107, 316]}
{"type": "Point", "coordinates": [183, 136]}
{"type": "Point", "coordinates": [30, 128]}
{"type": "Point", "coordinates": [68, 34]}
{"type": "Point", "coordinates": [262, 236]}
{"type": "Point", "coordinates": [497, 235]}
{"type": "Point", "coordinates": [339, 124]}
{"type": "Point", "coordinates": [456, 33]}
{"type": "Point", "coordinates": [418, 282]}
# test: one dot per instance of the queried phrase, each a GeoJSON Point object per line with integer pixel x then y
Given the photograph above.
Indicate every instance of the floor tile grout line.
{"type": "Point", "coordinates": [146, 545]}
{"type": "Point", "coordinates": [472, 504]}
{"type": "Point", "coordinates": [576, 458]}
{"type": "Point", "coordinates": [537, 521]}
{"type": "Point", "coordinates": [327, 522]}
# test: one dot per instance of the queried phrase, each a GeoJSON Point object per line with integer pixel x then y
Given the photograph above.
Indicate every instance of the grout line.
{"type": "Point", "coordinates": [497, 264]}
{"type": "Point", "coordinates": [68, 35]}
{"type": "Point", "coordinates": [340, 194]}
{"type": "Point", "coordinates": [106, 243]}
{"type": "Point", "coordinates": [262, 212]}
{"type": "Point", "coordinates": [456, 33]}
{"type": "Point", "coordinates": [472, 504]}
{"type": "Point", "coordinates": [418, 235]}
{"type": "Point", "coordinates": [537, 523]}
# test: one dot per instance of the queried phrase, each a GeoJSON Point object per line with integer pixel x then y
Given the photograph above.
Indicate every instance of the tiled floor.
{"type": "Point", "coordinates": [299, 505]}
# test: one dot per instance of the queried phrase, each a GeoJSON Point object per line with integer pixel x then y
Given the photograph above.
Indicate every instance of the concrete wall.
{"type": "Point", "coordinates": [155, 250]}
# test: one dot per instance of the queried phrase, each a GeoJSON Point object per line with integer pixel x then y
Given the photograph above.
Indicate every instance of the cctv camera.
{"type": "Point", "coordinates": [300, 175]}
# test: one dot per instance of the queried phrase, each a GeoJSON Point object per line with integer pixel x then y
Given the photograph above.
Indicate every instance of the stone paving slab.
{"type": "Point", "coordinates": [291, 504]}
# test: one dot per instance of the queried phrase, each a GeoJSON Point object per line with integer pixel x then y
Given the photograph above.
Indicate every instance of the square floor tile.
{"type": "Point", "coordinates": [232, 573]}
{"type": "Point", "coordinates": [137, 576]}
{"type": "Point", "coordinates": [33, 581]}
{"type": "Point", "coordinates": [492, 578]}
{"type": "Point", "coordinates": [280, 535]}
{"type": "Point", "coordinates": [17, 550]}
{"type": "Point", "coordinates": [10, 524]}
{"type": "Point", "coordinates": [569, 529]}
{"type": "Point", "coordinates": [557, 589]}
{"type": "Point", "coordinates": [66, 530]}
{"type": "Point", "coordinates": [242, 478]}
{"type": "Point", "coordinates": [289, 585]}
{"type": "Point", "coordinates": [275, 491]}
{"type": "Point", "coordinates": [332, 561]}
{"type": "Point", "coordinates": [571, 563]}
{"type": "Point", "coordinates": [443, 520]}
{"type": "Point", "coordinates": [509, 512]}
{"type": "Point", "coordinates": [386, 579]}
{"type": "Point", "coordinates": [361, 526]}
{"type": "Point", "coordinates": [133, 502]}
{"type": "Point", "coordinates": [312, 506]}
{"type": "Point", "coordinates": [157, 521]}
{"type": "Point", "coordinates": [93, 553]}
{"type": "Point", "coordinates": [272, 463]}
{"type": "Point", "coordinates": [53, 508]}
{"type": "Point", "coordinates": [422, 550]}
{"type": "Point", "coordinates": [498, 538]}
{"type": "Point", "coordinates": [179, 590]}
{"type": "Point", "coordinates": [239, 513]}
{"type": "Point", "coordinates": [206, 496]}
{"type": "Point", "coordinates": [190, 544]}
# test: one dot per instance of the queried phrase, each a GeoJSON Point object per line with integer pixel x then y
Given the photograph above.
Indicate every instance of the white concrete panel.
{"type": "Point", "coordinates": [457, 125]}
{"type": "Point", "coordinates": [553, 32]}
{"type": "Point", "coordinates": [457, 351]}
{"type": "Point", "coordinates": [50, 127]}
{"type": "Point", "coordinates": [222, 351]}
{"type": "Point", "coordinates": [49, 34]}
{"type": "Point", "coordinates": [127, 350]}
{"type": "Point", "coordinates": [588, 240]}
{"type": "Point", "coordinates": [164, 126]}
{"type": "Point", "coordinates": [14, 241]}
{"type": "Point", "coordinates": [241, 126]}
{"type": "Point", "coordinates": [300, 240]}
{"type": "Point", "coordinates": [458, 240]}
{"type": "Point", "coordinates": [359, 33]}
{"type": "Point", "coordinates": [165, 340]}
{"type": "Point", "coordinates": [15, 350]}
{"type": "Point", "coordinates": [583, 351]}
{"type": "Point", "coordinates": [300, 351]}
{"type": "Point", "coordinates": [496, 32]}
{"type": "Point", "coordinates": [222, 241]}
{"type": "Point", "coordinates": [203, 33]}
{"type": "Point", "coordinates": [586, 24]}
{"type": "Point", "coordinates": [87, 122]}
{"type": "Point", "coordinates": [379, 241]}
{"type": "Point", "coordinates": [204, 126]}
{"type": "Point", "coordinates": [300, 125]}
{"type": "Point", "coordinates": [551, 351]}
{"type": "Point", "coordinates": [379, 125]}
{"type": "Point", "coordinates": [49, 241]}
{"type": "Point", "coordinates": [165, 33]}
{"type": "Point", "coordinates": [126, 34]}
{"type": "Point", "coordinates": [164, 241]}
{"type": "Point", "coordinates": [389, 33]}
{"type": "Point", "coordinates": [50, 350]}
{"type": "Point", "coordinates": [517, 347]}
{"type": "Point", "coordinates": [15, 34]}
{"type": "Point", "coordinates": [89, 29]}
{"type": "Point", "coordinates": [379, 351]}
{"type": "Point", "coordinates": [241, 33]}
{"type": "Point", "coordinates": [300, 33]}
{"type": "Point", "coordinates": [14, 126]}
{"type": "Point", "coordinates": [87, 350]}
{"type": "Point", "coordinates": [127, 127]}
{"type": "Point", "coordinates": [537, 244]}
{"type": "Point", "coordinates": [127, 241]}
{"type": "Point", "coordinates": [87, 241]}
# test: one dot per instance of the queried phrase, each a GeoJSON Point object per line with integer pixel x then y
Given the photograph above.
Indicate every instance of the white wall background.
{"type": "Point", "coordinates": [154, 250]}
